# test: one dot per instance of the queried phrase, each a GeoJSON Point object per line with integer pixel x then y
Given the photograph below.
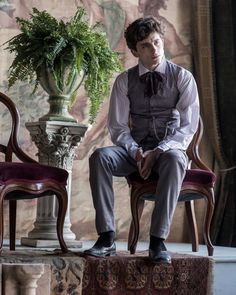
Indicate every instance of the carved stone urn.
{"type": "Point", "coordinates": [60, 89]}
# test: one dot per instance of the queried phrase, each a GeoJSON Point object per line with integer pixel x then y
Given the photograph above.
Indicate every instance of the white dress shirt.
{"type": "Point", "coordinates": [187, 108]}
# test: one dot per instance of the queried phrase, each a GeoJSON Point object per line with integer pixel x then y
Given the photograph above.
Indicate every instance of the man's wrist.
{"type": "Point", "coordinates": [138, 155]}
{"type": "Point", "coordinates": [158, 151]}
{"type": "Point", "coordinates": [132, 151]}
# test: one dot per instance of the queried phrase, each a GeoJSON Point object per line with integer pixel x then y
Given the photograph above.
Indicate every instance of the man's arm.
{"type": "Point", "coordinates": [188, 107]}
{"type": "Point", "coordinates": [118, 116]}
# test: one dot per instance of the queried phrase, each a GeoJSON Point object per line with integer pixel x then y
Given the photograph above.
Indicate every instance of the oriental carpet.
{"type": "Point", "coordinates": [75, 274]}
{"type": "Point", "coordinates": [127, 274]}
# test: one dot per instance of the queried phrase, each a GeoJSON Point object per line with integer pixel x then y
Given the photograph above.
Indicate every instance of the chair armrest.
{"type": "Point", "coordinates": [193, 149]}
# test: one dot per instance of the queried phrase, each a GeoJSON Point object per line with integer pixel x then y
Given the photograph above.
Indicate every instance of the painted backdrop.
{"type": "Point", "coordinates": [175, 16]}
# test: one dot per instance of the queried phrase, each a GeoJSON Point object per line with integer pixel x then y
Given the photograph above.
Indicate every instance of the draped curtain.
{"type": "Point", "coordinates": [215, 64]}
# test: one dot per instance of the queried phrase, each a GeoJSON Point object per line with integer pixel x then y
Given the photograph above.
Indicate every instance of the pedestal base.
{"type": "Point", "coordinates": [38, 243]}
{"type": "Point", "coordinates": [57, 142]}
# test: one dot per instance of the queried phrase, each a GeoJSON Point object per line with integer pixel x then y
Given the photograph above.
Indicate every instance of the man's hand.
{"type": "Point", "coordinates": [139, 158]}
{"type": "Point", "coordinates": [139, 155]}
{"type": "Point", "coordinates": [149, 159]}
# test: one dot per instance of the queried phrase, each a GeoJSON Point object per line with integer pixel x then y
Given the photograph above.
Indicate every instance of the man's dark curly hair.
{"type": "Point", "coordinates": [141, 29]}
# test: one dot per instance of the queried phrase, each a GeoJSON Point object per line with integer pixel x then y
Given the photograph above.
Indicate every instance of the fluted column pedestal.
{"type": "Point", "coordinates": [56, 142]}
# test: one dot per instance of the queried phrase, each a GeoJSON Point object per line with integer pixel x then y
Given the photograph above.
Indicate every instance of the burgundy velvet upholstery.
{"type": "Point", "coordinates": [26, 179]}
{"type": "Point", "coordinates": [197, 184]}
{"type": "Point", "coordinates": [30, 172]}
{"type": "Point", "coordinates": [199, 177]}
{"type": "Point", "coordinates": [193, 176]}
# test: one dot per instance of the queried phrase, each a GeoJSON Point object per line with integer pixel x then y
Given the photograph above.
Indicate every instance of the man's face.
{"type": "Point", "coordinates": [150, 51]}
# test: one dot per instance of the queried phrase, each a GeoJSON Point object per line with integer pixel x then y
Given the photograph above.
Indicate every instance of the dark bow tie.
{"type": "Point", "coordinates": [152, 80]}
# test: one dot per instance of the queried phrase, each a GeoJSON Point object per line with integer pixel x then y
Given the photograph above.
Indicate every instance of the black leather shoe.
{"type": "Point", "coordinates": [163, 246]}
{"type": "Point", "coordinates": [99, 250]}
{"type": "Point", "coordinates": [159, 256]}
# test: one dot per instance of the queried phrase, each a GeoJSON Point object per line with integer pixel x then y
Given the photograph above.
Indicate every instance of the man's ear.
{"type": "Point", "coordinates": [134, 52]}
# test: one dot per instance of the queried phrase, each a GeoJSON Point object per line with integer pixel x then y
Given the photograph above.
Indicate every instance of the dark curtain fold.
{"type": "Point", "coordinates": [224, 48]}
{"type": "Point", "coordinates": [214, 48]}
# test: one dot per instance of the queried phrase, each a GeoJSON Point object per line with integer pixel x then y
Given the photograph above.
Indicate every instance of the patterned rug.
{"type": "Point", "coordinates": [137, 275]}
{"type": "Point", "coordinates": [124, 274]}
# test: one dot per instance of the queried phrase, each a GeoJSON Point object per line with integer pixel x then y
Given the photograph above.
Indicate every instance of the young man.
{"type": "Point", "coordinates": [153, 115]}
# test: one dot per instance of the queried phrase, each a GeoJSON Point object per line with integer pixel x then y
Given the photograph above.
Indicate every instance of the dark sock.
{"type": "Point", "coordinates": [155, 242]}
{"type": "Point", "coordinates": [106, 239]}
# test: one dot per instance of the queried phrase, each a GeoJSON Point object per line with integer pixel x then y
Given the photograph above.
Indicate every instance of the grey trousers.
{"type": "Point", "coordinates": [107, 162]}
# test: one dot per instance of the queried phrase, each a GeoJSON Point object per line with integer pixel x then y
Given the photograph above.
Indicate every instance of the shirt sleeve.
{"type": "Point", "coordinates": [188, 108]}
{"type": "Point", "coordinates": [118, 116]}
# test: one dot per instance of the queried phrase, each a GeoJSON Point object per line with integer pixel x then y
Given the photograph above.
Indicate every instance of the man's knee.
{"type": "Point", "coordinates": [98, 154]}
{"type": "Point", "coordinates": [174, 158]}
{"type": "Point", "coordinates": [101, 154]}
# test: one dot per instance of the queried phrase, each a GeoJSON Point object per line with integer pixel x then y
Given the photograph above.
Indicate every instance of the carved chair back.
{"type": "Point", "coordinates": [22, 177]}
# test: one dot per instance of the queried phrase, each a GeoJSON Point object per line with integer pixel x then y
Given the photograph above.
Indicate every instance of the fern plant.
{"type": "Point", "coordinates": [66, 49]}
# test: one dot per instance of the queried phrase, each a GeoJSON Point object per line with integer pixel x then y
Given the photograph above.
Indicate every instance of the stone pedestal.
{"type": "Point", "coordinates": [57, 142]}
{"type": "Point", "coordinates": [23, 279]}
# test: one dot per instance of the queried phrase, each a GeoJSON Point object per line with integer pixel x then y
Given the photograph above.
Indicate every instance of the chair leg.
{"type": "Point", "coordinates": [137, 205]}
{"type": "Point", "coordinates": [12, 223]}
{"type": "Point", "coordinates": [131, 237]}
{"type": "Point", "coordinates": [62, 208]}
{"type": "Point", "coordinates": [207, 224]}
{"type": "Point", "coordinates": [189, 206]}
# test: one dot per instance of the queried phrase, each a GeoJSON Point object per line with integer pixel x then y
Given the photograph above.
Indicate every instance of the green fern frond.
{"type": "Point", "coordinates": [66, 48]}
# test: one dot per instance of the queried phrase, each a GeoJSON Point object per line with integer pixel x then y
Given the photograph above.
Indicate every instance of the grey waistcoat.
{"type": "Point", "coordinates": [153, 118]}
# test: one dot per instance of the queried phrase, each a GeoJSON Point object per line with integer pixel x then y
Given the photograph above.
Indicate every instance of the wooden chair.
{"type": "Point", "coordinates": [27, 179]}
{"type": "Point", "coordinates": [198, 183]}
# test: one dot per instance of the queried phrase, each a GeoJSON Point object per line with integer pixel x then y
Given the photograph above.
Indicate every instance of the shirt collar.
{"type": "Point", "coordinates": [161, 68]}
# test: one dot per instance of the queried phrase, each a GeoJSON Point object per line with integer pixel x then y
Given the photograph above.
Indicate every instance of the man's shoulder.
{"type": "Point", "coordinates": [178, 69]}
{"type": "Point", "coordinates": [134, 69]}
{"type": "Point", "coordinates": [121, 80]}
{"type": "Point", "coordinates": [124, 75]}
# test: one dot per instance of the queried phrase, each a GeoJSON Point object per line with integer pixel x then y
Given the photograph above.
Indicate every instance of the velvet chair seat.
{"type": "Point", "coordinates": [10, 171]}
{"type": "Point", "coordinates": [199, 177]}
{"type": "Point", "coordinates": [193, 176]}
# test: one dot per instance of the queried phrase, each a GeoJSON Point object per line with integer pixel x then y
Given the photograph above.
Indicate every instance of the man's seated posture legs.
{"type": "Point", "coordinates": [153, 115]}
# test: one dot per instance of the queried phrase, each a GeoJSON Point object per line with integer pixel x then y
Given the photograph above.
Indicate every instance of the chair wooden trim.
{"type": "Point", "coordinates": [189, 192]}
{"type": "Point", "coordinates": [12, 190]}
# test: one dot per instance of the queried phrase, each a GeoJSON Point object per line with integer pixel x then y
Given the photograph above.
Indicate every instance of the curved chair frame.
{"type": "Point", "coordinates": [19, 189]}
{"type": "Point", "coordinates": [189, 192]}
